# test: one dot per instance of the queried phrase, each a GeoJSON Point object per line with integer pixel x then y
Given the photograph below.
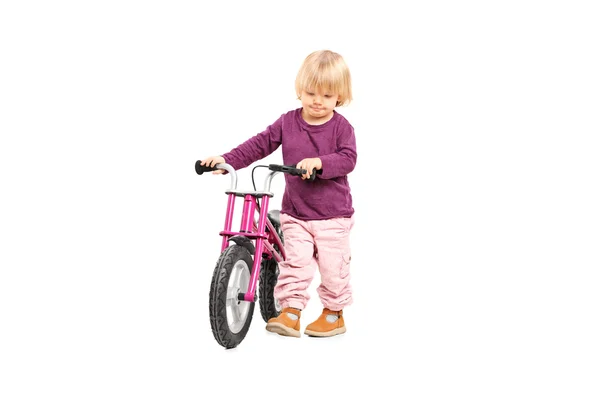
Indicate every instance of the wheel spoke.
{"type": "Point", "coordinates": [235, 311]}
{"type": "Point", "coordinates": [231, 302]}
{"type": "Point", "coordinates": [232, 293]}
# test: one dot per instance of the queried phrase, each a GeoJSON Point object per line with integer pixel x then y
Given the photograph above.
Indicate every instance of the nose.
{"type": "Point", "coordinates": [317, 99]}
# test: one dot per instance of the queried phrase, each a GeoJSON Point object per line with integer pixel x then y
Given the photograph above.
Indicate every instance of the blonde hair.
{"type": "Point", "coordinates": [327, 71]}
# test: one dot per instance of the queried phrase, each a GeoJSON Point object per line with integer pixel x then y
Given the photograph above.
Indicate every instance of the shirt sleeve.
{"type": "Point", "coordinates": [256, 148]}
{"type": "Point", "coordinates": [343, 161]}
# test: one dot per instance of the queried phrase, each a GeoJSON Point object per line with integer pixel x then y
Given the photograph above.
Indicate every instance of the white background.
{"type": "Point", "coordinates": [476, 244]}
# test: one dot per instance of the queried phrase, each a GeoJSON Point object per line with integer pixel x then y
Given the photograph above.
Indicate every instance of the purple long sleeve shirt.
{"type": "Point", "coordinates": [328, 196]}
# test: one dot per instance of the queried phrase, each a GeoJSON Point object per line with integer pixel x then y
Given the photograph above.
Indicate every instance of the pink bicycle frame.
{"type": "Point", "coordinates": [261, 231]}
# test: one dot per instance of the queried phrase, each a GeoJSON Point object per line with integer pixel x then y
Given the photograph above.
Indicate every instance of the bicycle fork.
{"type": "Point", "coordinates": [248, 231]}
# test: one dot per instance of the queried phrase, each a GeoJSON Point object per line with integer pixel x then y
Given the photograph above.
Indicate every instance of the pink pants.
{"type": "Point", "coordinates": [308, 245]}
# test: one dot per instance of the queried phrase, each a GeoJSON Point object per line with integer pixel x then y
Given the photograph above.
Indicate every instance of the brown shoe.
{"type": "Point", "coordinates": [323, 328]}
{"type": "Point", "coordinates": [284, 325]}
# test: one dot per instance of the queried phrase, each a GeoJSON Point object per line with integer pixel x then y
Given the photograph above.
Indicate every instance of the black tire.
{"type": "Point", "coordinates": [269, 307]}
{"type": "Point", "coordinates": [230, 318]}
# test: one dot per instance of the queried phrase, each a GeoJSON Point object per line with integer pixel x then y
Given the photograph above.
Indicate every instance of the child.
{"type": "Point", "coordinates": [316, 216]}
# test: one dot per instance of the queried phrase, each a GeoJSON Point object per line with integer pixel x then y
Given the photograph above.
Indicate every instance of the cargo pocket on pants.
{"type": "Point", "coordinates": [345, 270]}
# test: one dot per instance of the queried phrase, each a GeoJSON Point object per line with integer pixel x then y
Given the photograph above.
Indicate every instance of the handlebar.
{"type": "Point", "coordinates": [200, 169]}
{"type": "Point", "coordinates": [275, 168]}
{"type": "Point", "coordinates": [290, 169]}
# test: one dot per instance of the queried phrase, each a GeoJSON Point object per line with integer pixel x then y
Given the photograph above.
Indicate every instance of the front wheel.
{"type": "Point", "coordinates": [230, 318]}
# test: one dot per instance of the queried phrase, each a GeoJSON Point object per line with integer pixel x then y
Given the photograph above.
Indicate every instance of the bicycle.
{"type": "Point", "coordinates": [250, 264]}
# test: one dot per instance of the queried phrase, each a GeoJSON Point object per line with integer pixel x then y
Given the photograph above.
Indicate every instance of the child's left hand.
{"type": "Point", "coordinates": [309, 164]}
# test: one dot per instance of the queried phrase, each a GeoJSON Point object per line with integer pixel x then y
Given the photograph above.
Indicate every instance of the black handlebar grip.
{"type": "Point", "coordinates": [200, 169]}
{"type": "Point", "coordinates": [303, 171]}
{"type": "Point", "coordinates": [292, 170]}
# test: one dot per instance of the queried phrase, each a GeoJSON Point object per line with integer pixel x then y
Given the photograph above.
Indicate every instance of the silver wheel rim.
{"type": "Point", "coordinates": [237, 310]}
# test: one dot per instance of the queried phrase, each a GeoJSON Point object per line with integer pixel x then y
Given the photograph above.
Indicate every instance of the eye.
{"type": "Point", "coordinates": [310, 93]}
{"type": "Point", "coordinates": [328, 96]}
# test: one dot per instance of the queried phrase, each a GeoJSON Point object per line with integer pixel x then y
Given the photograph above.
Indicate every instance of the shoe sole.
{"type": "Point", "coordinates": [333, 332]}
{"type": "Point", "coordinates": [282, 330]}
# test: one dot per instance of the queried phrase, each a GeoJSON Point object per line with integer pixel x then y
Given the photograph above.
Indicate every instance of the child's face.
{"type": "Point", "coordinates": [318, 105]}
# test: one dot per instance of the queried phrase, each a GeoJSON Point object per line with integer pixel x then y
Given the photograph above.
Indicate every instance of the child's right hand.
{"type": "Point", "coordinates": [212, 161]}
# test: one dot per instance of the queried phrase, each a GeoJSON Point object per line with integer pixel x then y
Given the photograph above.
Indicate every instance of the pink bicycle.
{"type": "Point", "coordinates": [248, 267]}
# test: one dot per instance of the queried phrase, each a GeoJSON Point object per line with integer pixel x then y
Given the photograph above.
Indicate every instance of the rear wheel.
{"type": "Point", "coordinates": [269, 306]}
{"type": "Point", "coordinates": [230, 318]}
